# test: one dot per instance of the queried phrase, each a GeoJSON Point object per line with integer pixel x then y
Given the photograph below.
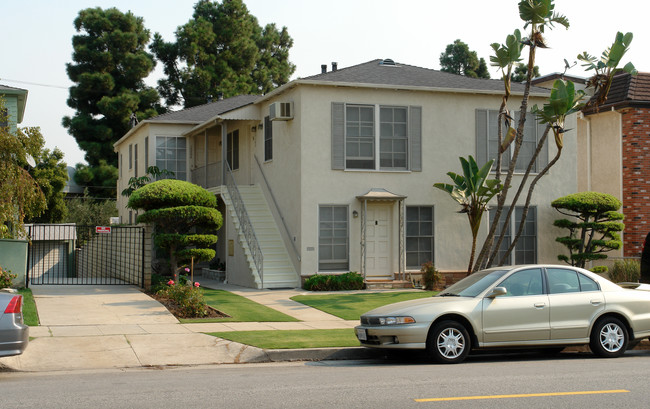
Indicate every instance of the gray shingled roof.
{"type": "Point", "coordinates": [202, 113]}
{"type": "Point", "coordinates": [374, 72]}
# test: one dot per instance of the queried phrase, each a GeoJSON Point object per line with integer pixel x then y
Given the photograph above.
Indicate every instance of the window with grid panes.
{"type": "Point", "coordinates": [526, 248]}
{"type": "Point", "coordinates": [419, 236]}
{"type": "Point", "coordinates": [171, 155]}
{"type": "Point", "coordinates": [333, 246]}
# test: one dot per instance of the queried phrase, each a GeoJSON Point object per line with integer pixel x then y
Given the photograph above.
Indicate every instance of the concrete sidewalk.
{"type": "Point", "coordinates": [97, 327]}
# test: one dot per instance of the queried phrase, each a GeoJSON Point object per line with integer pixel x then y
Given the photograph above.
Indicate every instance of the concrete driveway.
{"type": "Point", "coordinates": [71, 305]}
{"type": "Point", "coordinates": [93, 327]}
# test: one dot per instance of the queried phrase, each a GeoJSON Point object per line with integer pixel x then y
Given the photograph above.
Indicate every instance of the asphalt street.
{"type": "Point", "coordinates": [575, 380]}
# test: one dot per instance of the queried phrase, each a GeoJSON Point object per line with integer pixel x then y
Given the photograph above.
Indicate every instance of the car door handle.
{"type": "Point", "coordinates": [540, 305]}
{"type": "Point", "coordinates": [596, 302]}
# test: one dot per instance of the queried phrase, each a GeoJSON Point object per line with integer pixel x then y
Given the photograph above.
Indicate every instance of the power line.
{"type": "Point", "coordinates": [35, 83]}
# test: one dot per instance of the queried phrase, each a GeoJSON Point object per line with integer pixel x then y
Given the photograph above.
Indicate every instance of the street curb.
{"type": "Point", "coordinates": [322, 354]}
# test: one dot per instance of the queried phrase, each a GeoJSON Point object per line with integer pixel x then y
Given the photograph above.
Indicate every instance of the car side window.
{"type": "Point", "coordinates": [587, 284]}
{"type": "Point", "coordinates": [561, 280]}
{"type": "Point", "coordinates": [526, 282]}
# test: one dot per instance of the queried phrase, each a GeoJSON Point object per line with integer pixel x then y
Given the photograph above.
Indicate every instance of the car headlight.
{"type": "Point", "coordinates": [395, 320]}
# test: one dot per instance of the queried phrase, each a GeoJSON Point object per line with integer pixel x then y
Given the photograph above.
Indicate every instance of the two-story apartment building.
{"type": "Point", "coordinates": [334, 172]}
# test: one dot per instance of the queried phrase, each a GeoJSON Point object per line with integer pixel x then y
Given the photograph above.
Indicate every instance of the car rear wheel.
{"type": "Point", "coordinates": [609, 338]}
{"type": "Point", "coordinates": [448, 342]}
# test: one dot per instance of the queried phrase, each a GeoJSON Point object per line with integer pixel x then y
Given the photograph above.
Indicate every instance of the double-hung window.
{"type": "Point", "coordinates": [419, 236]}
{"type": "Point", "coordinates": [333, 238]}
{"type": "Point", "coordinates": [171, 154]}
{"type": "Point", "coordinates": [487, 141]}
{"type": "Point", "coordinates": [526, 248]}
{"type": "Point", "coordinates": [376, 137]}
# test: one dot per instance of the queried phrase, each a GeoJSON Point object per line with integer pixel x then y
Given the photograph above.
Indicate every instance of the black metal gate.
{"type": "Point", "coordinates": [67, 254]}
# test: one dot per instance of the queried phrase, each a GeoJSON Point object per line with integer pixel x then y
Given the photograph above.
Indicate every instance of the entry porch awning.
{"type": "Point", "coordinates": [382, 195]}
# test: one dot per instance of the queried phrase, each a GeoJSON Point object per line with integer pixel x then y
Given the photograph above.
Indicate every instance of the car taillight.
{"type": "Point", "coordinates": [15, 305]}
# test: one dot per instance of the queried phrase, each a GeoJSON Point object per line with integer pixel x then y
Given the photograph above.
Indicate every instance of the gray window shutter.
{"type": "Point", "coordinates": [415, 138]}
{"type": "Point", "coordinates": [542, 158]}
{"type": "Point", "coordinates": [481, 136]}
{"type": "Point", "coordinates": [338, 135]}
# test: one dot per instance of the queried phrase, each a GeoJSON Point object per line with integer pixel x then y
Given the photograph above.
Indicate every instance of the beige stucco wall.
{"type": "Point", "coordinates": [147, 129]}
{"type": "Point", "coordinates": [600, 148]}
{"type": "Point", "coordinates": [600, 157]}
{"type": "Point", "coordinates": [448, 132]}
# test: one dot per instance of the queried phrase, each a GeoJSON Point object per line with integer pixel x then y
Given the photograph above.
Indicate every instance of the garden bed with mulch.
{"type": "Point", "coordinates": [176, 310]}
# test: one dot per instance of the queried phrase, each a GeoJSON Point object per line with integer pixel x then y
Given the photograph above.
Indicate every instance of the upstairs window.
{"type": "Point", "coordinates": [376, 137]}
{"type": "Point", "coordinates": [487, 141]}
{"type": "Point", "coordinates": [171, 154]}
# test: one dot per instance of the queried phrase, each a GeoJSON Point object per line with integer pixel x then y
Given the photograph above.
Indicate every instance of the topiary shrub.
{"type": "Point", "coordinates": [625, 271]}
{"type": "Point", "coordinates": [334, 282]}
{"type": "Point", "coordinates": [184, 216]}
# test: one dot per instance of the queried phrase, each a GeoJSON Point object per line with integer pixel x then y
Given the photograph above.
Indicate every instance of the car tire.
{"type": "Point", "coordinates": [609, 338]}
{"type": "Point", "coordinates": [448, 342]}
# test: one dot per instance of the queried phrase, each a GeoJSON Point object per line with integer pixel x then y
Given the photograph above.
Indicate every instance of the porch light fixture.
{"type": "Point", "coordinates": [355, 214]}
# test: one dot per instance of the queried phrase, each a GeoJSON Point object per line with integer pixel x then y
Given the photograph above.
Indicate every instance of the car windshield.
{"type": "Point", "coordinates": [474, 284]}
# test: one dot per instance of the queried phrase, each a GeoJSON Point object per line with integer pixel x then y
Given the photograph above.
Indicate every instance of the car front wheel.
{"type": "Point", "coordinates": [609, 338]}
{"type": "Point", "coordinates": [448, 342]}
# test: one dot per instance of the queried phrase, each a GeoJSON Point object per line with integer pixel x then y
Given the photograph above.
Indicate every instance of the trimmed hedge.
{"type": "Point", "coordinates": [171, 193]}
{"type": "Point", "coordinates": [334, 282]}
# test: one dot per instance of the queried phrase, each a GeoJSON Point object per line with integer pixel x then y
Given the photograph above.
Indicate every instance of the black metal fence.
{"type": "Point", "coordinates": [67, 254]}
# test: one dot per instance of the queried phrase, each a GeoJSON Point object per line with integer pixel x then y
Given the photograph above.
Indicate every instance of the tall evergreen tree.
{"type": "Point", "coordinates": [459, 59]}
{"type": "Point", "coordinates": [222, 50]}
{"type": "Point", "coordinates": [109, 65]}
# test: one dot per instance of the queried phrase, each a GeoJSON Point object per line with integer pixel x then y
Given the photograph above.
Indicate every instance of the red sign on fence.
{"type": "Point", "coordinates": [102, 229]}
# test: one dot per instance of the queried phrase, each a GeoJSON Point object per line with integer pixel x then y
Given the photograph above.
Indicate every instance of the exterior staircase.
{"type": "Point", "coordinates": [277, 269]}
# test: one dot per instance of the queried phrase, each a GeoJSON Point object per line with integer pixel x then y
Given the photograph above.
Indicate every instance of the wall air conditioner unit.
{"type": "Point", "coordinates": [281, 111]}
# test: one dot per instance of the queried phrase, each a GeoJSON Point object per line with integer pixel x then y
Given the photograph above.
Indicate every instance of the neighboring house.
{"type": "Point", "coordinates": [334, 172]}
{"type": "Point", "coordinates": [14, 104]}
{"type": "Point", "coordinates": [614, 155]}
{"type": "Point", "coordinates": [71, 188]}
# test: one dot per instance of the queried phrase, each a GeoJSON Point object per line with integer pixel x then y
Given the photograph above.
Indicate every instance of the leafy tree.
{"type": "Point", "coordinates": [458, 59]}
{"type": "Point", "coordinates": [109, 64]}
{"type": "Point", "coordinates": [99, 181]}
{"type": "Point", "coordinates": [537, 15]}
{"type": "Point", "coordinates": [593, 228]}
{"type": "Point", "coordinates": [87, 211]}
{"type": "Point", "coordinates": [521, 72]}
{"type": "Point", "coordinates": [175, 208]}
{"type": "Point", "coordinates": [153, 172]}
{"type": "Point", "coordinates": [51, 175]}
{"type": "Point", "coordinates": [472, 190]}
{"type": "Point", "coordinates": [20, 195]}
{"type": "Point", "coordinates": [606, 67]}
{"type": "Point", "coordinates": [222, 50]}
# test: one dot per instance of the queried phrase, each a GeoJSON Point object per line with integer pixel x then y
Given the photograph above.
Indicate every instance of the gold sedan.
{"type": "Point", "coordinates": [518, 306]}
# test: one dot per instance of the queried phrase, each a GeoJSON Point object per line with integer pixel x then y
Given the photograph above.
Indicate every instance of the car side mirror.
{"type": "Point", "coordinates": [497, 291]}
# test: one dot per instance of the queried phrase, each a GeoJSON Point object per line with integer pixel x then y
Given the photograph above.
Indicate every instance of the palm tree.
{"type": "Point", "coordinates": [472, 190]}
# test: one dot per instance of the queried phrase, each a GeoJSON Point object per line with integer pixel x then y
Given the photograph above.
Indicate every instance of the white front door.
{"type": "Point", "coordinates": [378, 241]}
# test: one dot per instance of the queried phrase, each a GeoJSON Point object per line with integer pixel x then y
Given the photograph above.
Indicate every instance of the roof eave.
{"type": "Point", "coordinates": [392, 87]}
{"type": "Point", "coordinates": [148, 122]}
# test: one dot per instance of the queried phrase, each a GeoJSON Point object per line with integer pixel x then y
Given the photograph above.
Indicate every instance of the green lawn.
{"type": "Point", "coordinates": [239, 308]}
{"type": "Point", "coordinates": [351, 306]}
{"type": "Point", "coordinates": [30, 316]}
{"type": "Point", "coordinates": [293, 339]}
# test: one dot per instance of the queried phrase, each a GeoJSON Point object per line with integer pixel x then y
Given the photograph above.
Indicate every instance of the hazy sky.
{"type": "Point", "coordinates": [37, 38]}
